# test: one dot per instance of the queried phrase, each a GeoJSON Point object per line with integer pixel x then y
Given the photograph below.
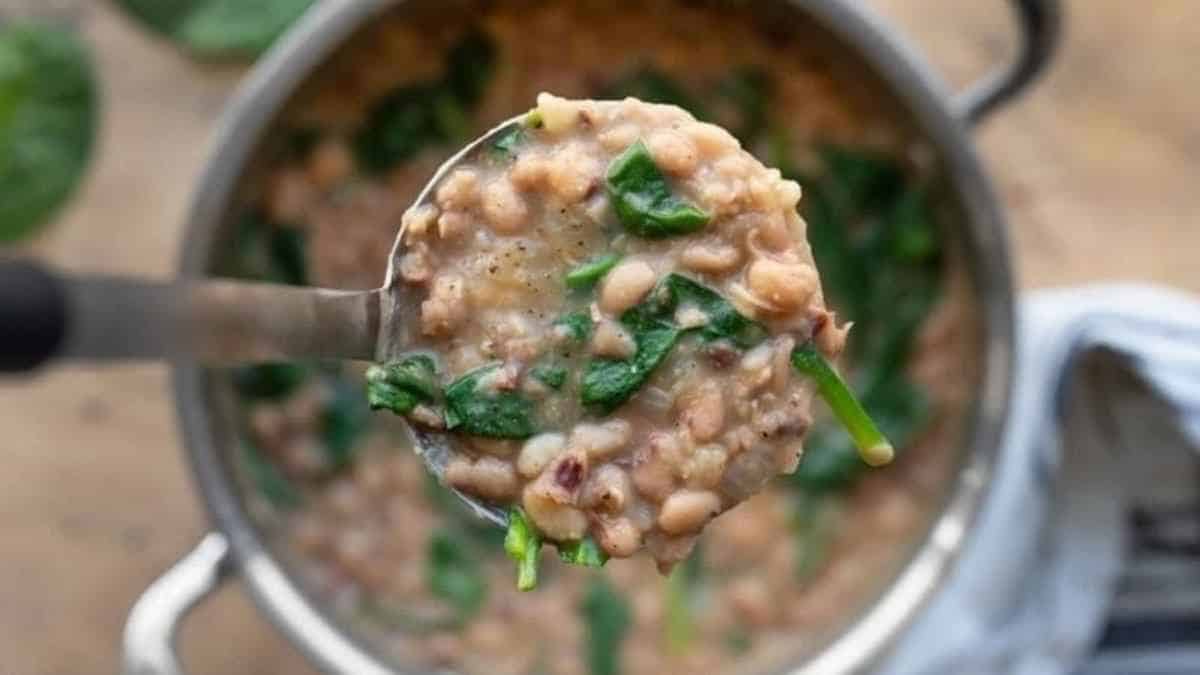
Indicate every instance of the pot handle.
{"type": "Point", "coordinates": [1040, 26]}
{"type": "Point", "coordinates": [149, 641]}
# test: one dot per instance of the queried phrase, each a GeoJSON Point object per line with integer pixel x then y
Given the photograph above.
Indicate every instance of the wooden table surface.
{"type": "Point", "coordinates": [1100, 168]}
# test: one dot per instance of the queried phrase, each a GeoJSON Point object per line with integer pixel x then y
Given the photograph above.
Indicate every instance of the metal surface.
{"type": "Point", "coordinates": [935, 117]}
{"type": "Point", "coordinates": [149, 639]}
{"type": "Point", "coordinates": [1041, 31]}
{"type": "Point", "coordinates": [216, 322]}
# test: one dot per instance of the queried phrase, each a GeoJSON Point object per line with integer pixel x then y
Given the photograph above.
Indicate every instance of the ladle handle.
{"type": "Point", "coordinates": [45, 316]}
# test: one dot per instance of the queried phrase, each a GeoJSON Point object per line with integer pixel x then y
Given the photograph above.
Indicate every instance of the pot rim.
{"type": "Point", "coordinates": [911, 81]}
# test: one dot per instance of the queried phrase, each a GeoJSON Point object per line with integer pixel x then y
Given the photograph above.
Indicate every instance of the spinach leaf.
{"type": "Point", "coordinates": [402, 384]}
{"type": "Point", "coordinates": [289, 256]}
{"type": "Point", "coordinates": [454, 575]}
{"type": "Point", "coordinates": [643, 200]}
{"type": "Point", "coordinates": [429, 113]}
{"type": "Point", "coordinates": [607, 615]}
{"type": "Point", "coordinates": [470, 65]}
{"type": "Point", "coordinates": [812, 528]}
{"type": "Point", "coordinates": [591, 272]}
{"type": "Point", "coordinates": [653, 86]}
{"type": "Point", "coordinates": [748, 89]}
{"type": "Point", "coordinates": [268, 479]}
{"type": "Point", "coordinates": [343, 421]}
{"type": "Point", "coordinates": [269, 381]}
{"type": "Point", "coordinates": [873, 447]}
{"type": "Point", "coordinates": [48, 102]}
{"type": "Point", "coordinates": [473, 407]}
{"type": "Point", "coordinates": [607, 383]}
{"type": "Point", "coordinates": [523, 544]}
{"type": "Point", "coordinates": [585, 553]}
{"type": "Point", "coordinates": [506, 145]}
{"type": "Point", "coordinates": [399, 126]}
{"type": "Point", "coordinates": [268, 251]}
{"type": "Point", "coordinates": [219, 29]}
{"type": "Point", "coordinates": [724, 321]}
{"type": "Point", "coordinates": [577, 324]}
{"type": "Point", "coordinates": [551, 375]}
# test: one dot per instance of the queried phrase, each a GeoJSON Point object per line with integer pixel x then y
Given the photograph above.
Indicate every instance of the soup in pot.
{"type": "Point", "coordinates": [392, 554]}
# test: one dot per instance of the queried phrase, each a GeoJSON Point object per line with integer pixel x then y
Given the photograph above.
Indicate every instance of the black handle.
{"type": "Point", "coordinates": [33, 315]}
{"type": "Point", "coordinates": [1041, 31]}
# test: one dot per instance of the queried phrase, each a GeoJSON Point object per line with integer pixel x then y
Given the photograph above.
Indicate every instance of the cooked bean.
{"type": "Point", "coordinates": [459, 191]}
{"type": "Point", "coordinates": [538, 452]}
{"type": "Point", "coordinates": [446, 307]}
{"type": "Point", "coordinates": [607, 490]}
{"type": "Point", "coordinates": [600, 441]}
{"type": "Point", "coordinates": [702, 411]}
{"type": "Point", "coordinates": [626, 285]}
{"type": "Point", "coordinates": [688, 511]}
{"type": "Point", "coordinates": [785, 286]}
{"type": "Point", "coordinates": [505, 210]}
{"type": "Point", "coordinates": [618, 537]}
{"type": "Point", "coordinates": [553, 518]}
{"type": "Point", "coordinates": [488, 477]}
{"type": "Point", "coordinates": [611, 340]}
{"type": "Point", "coordinates": [673, 152]}
{"type": "Point", "coordinates": [712, 257]}
{"type": "Point", "coordinates": [705, 467]}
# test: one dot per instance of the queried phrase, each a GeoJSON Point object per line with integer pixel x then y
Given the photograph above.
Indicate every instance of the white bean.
{"type": "Point", "coordinates": [688, 511]}
{"type": "Point", "coordinates": [538, 452]}
{"type": "Point", "coordinates": [626, 285]}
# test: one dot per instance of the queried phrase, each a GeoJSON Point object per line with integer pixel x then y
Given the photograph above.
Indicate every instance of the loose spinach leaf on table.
{"type": "Point", "coordinates": [48, 113]}
{"type": "Point", "coordinates": [473, 407]}
{"type": "Point", "coordinates": [219, 29]}
{"type": "Point", "coordinates": [643, 200]}
{"type": "Point", "coordinates": [607, 616]}
{"type": "Point", "coordinates": [454, 575]}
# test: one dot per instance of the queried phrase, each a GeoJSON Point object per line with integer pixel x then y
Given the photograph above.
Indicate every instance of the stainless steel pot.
{"type": "Point", "coordinates": [942, 118]}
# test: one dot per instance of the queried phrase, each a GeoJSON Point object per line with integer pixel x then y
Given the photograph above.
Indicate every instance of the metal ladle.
{"type": "Point", "coordinates": [47, 316]}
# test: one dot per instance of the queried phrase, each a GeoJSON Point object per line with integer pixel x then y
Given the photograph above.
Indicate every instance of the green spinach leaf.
{"type": "Point", "coordinates": [551, 375]}
{"type": "Point", "coordinates": [219, 29]}
{"type": "Point", "coordinates": [585, 553]}
{"type": "Point", "coordinates": [607, 383]}
{"type": "Point", "coordinates": [578, 325]}
{"type": "Point", "coordinates": [453, 574]}
{"type": "Point", "coordinates": [401, 385]}
{"type": "Point", "coordinates": [344, 419]}
{"type": "Point", "coordinates": [683, 589]}
{"type": "Point", "coordinates": [48, 102]}
{"type": "Point", "coordinates": [425, 114]}
{"type": "Point", "coordinates": [523, 544]}
{"type": "Point", "coordinates": [591, 272]}
{"type": "Point", "coordinates": [474, 407]}
{"type": "Point", "coordinates": [724, 321]}
{"type": "Point", "coordinates": [643, 199]}
{"type": "Point", "coordinates": [269, 381]}
{"type": "Point", "coordinates": [608, 618]}
{"type": "Point", "coordinates": [268, 479]}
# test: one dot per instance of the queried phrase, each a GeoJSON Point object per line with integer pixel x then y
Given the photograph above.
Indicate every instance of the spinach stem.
{"type": "Point", "coordinates": [873, 447]}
